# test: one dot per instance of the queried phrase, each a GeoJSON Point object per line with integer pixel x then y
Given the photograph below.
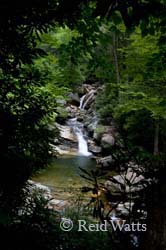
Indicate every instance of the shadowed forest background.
{"type": "Point", "coordinates": [52, 55]}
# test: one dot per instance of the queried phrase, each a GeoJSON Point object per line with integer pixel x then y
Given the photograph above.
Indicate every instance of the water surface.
{"type": "Point", "coordinates": [64, 172]}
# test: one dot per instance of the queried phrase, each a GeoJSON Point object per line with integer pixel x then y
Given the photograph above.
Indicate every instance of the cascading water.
{"type": "Point", "coordinates": [78, 130]}
{"type": "Point", "coordinates": [81, 102]}
{"type": "Point", "coordinates": [82, 144]}
{"type": "Point", "coordinates": [85, 99]}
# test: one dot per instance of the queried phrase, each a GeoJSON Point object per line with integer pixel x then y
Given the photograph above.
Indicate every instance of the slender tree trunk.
{"type": "Point", "coordinates": [115, 53]}
{"type": "Point", "coordinates": [156, 138]}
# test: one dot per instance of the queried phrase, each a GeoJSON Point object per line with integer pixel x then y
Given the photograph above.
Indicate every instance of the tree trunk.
{"type": "Point", "coordinates": [156, 138]}
{"type": "Point", "coordinates": [115, 46]}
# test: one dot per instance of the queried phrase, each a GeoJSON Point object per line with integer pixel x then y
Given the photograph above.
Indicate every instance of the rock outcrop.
{"type": "Point", "coordinates": [107, 140]}
{"type": "Point", "coordinates": [52, 202]}
{"type": "Point", "coordinates": [127, 182]}
{"type": "Point", "coordinates": [101, 137]}
{"type": "Point", "coordinates": [105, 161]}
{"type": "Point", "coordinates": [66, 133]}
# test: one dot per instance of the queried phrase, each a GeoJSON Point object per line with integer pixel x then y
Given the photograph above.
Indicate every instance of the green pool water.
{"type": "Point", "coordinates": [64, 172]}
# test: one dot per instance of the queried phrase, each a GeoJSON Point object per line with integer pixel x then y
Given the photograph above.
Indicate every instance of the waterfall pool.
{"type": "Point", "coordinates": [63, 174]}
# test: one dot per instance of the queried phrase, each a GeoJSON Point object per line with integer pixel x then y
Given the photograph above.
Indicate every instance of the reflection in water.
{"type": "Point", "coordinates": [64, 172]}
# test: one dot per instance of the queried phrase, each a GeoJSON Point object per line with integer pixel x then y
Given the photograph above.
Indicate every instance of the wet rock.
{"type": "Point", "coordinates": [61, 150]}
{"type": "Point", "coordinates": [105, 161]}
{"type": "Point", "coordinates": [88, 99]}
{"type": "Point", "coordinates": [95, 149]}
{"type": "Point", "coordinates": [66, 133]}
{"type": "Point", "coordinates": [72, 111]}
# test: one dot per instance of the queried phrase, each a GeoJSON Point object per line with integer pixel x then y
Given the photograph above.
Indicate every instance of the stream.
{"type": "Point", "coordinates": [62, 176]}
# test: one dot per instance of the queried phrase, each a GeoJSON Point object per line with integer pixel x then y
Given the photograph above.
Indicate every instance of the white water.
{"type": "Point", "coordinates": [90, 96]}
{"type": "Point", "coordinates": [82, 144]}
{"type": "Point", "coordinates": [81, 102]}
{"type": "Point", "coordinates": [85, 99]}
{"type": "Point", "coordinates": [78, 130]}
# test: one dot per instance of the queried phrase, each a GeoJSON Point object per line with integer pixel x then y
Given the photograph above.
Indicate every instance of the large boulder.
{"type": "Point", "coordinates": [105, 133]}
{"type": "Point", "coordinates": [74, 99]}
{"type": "Point", "coordinates": [107, 140]}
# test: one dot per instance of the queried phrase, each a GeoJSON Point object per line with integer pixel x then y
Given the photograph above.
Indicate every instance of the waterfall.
{"type": "Point", "coordinates": [82, 144]}
{"type": "Point", "coordinates": [81, 102]}
{"type": "Point", "coordinates": [85, 99]}
{"type": "Point", "coordinates": [78, 131]}
{"type": "Point", "coordinates": [90, 95]}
